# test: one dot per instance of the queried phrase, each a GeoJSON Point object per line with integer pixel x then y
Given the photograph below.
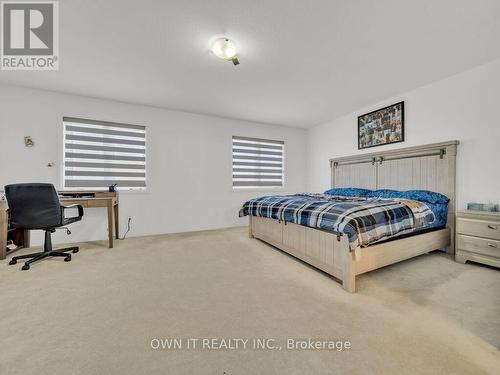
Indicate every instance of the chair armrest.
{"type": "Point", "coordinates": [80, 209]}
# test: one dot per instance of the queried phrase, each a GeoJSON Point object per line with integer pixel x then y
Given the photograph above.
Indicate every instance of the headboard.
{"type": "Point", "coordinates": [430, 167]}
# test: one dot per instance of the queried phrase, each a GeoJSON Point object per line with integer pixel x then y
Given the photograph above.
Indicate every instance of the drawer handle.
{"type": "Point", "coordinates": [492, 245]}
{"type": "Point", "coordinates": [494, 227]}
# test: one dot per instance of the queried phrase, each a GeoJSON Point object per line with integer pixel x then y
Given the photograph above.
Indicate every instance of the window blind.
{"type": "Point", "coordinates": [98, 154]}
{"type": "Point", "coordinates": [257, 162]}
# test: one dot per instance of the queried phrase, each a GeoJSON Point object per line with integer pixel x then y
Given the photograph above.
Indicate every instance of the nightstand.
{"type": "Point", "coordinates": [478, 237]}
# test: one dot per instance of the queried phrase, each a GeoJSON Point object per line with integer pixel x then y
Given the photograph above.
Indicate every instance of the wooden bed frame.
{"type": "Point", "coordinates": [431, 167]}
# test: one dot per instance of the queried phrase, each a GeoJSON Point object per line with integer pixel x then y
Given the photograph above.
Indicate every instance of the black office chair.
{"type": "Point", "coordinates": [36, 206]}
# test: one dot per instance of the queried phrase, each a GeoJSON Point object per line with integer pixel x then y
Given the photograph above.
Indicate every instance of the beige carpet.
{"type": "Point", "coordinates": [99, 313]}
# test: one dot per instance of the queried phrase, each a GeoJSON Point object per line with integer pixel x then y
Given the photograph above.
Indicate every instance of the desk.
{"type": "Point", "coordinates": [20, 237]}
{"type": "Point", "coordinates": [87, 199]}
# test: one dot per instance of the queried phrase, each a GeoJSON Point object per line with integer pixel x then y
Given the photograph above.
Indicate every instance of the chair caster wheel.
{"type": "Point", "coordinates": [75, 251]}
{"type": "Point", "coordinates": [68, 258]}
{"type": "Point", "coordinates": [25, 267]}
{"type": "Point", "coordinates": [12, 262]}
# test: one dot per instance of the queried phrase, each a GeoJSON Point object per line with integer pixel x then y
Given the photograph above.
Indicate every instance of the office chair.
{"type": "Point", "coordinates": [36, 206]}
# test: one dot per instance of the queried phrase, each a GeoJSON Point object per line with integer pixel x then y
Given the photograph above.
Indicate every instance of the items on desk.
{"type": "Point", "coordinates": [76, 194]}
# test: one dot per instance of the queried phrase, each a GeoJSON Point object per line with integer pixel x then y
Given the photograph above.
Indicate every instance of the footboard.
{"type": "Point", "coordinates": [330, 253]}
{"type": "Point", "coordinates": [321, 249]}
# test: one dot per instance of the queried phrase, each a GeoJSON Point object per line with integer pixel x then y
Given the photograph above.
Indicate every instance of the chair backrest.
{"type": "Point", "coordinates": [33, 206]}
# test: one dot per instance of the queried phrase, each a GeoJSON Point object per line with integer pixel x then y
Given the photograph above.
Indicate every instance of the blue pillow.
{"type": "Point", "coordinates": [348, 192]}
{"type": "Point", "coordinates": [441, 213]}
{"type": "Point", "coordinates": [417, 195]}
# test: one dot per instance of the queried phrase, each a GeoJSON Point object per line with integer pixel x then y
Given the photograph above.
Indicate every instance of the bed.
{"type": "Point", "coordinates": [330, 247]}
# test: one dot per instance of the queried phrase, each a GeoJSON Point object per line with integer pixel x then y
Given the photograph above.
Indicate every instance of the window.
{"type": "Point", "coordinates": [98, 154]}
{"type": "Point", "coordinates": [257, 162]}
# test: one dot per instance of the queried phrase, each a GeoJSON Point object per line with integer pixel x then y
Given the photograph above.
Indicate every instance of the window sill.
{"type": "Point", "coordinates": [257, 189]}
{"type": "Point", "coordinates": [124, 192]}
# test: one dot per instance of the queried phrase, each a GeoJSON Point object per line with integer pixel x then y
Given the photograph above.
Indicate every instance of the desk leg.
{"type": "Point", "coordinates": [27, 239]}
{"type": "Point", "coordinates": [3, 234]}
{"type": "Point", "coordinates": [110, 223]}
{"type": "Point", "coordinates": [117, 222]}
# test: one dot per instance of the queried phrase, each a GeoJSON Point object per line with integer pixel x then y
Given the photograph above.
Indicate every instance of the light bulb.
{"type": "Point", "coordinates": [224, 48]}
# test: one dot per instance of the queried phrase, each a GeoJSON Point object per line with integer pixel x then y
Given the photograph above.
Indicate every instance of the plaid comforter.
{"type": "Point", "coordinates": [364, 220]}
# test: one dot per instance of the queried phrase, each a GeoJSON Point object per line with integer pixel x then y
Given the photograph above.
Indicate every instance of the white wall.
{"type": "Point", "coordinates": [464, 107]}
{"type": "Point", "coordinates": [189, 161]}
{"type": "Point", "coordinates": [189, 156]}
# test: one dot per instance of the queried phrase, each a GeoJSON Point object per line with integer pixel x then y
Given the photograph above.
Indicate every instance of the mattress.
{"type": "Point", "coordinates": [365, 221]}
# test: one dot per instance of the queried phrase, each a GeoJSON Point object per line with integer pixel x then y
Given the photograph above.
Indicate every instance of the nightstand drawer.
{"type": "Point", "coordinates": [479, 228]}
{"type": "Point", "coordinates": [479, 245]}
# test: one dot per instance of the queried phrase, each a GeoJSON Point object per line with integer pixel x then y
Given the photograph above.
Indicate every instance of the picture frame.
{"type": "Point", "coordinates": [382, 127]}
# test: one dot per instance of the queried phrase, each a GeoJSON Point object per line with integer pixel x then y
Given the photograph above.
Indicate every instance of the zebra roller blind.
{"type": "Point", "coordinates": [257, 162]}
{"type": "Point", "coordinates": [98, 154]}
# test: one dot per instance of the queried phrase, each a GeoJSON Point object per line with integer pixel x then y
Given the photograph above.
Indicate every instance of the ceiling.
{"type": "Point", "coordinates": [302, 62]}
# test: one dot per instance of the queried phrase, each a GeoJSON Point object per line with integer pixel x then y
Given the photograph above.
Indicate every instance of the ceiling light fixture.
{"type": "Point", "coordinates": [226, 49]}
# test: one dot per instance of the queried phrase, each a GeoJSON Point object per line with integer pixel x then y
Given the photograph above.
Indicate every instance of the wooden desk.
{"type": "Point", "coordinates": [20, 237]}
{"type": "Point", "coordinates": [87, 199]}
{"type": "Point", "coordinates": [108, 202]}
